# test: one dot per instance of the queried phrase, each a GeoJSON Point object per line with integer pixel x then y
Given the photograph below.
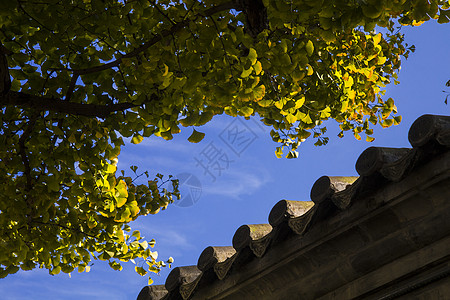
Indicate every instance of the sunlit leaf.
{"type": "Point", "coordinates": [309, 48]}
{"type": "Point", "coordinates": [137, 139]}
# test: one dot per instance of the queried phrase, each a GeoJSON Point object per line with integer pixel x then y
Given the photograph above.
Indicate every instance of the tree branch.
{"type": "Point", "coordinates": [157, 38]}
{"type": "Point", "coordinates": [22, 151]}
{"type": "Point", "coordinates": [5, 79]}
{"type": "Point", "coordinates": [4, 50]}
{"type": "Point", "coordinates": [65, 227]}
{"type": "Point", "coordinates": [161, 12]}
{"type": "Point", "coordinates": [29, 199]}
{"type": "Point", "coordinates": [221, 7]}
{"type": "Point", "coordinates": [33, 18]}
{"type": "Point", "coordinates": [135, 52]}
{"type": "Point", "coordinates": [40, 103]}
{"type": "Point", "coordinates": [73, 82]}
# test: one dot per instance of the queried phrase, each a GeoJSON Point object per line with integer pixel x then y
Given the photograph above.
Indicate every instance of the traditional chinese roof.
{"type": "Point", "coordinates": [358, 237]}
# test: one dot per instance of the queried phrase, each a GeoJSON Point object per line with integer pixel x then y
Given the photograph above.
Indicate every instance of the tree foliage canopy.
{"type": "Point", "coordinates": [79, 76]}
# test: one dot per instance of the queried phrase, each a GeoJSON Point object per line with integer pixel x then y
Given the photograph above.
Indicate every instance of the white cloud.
{"type": "Point", "coordinates": [167, 238]}
{"type": "Point", "coordinates": [234, 183]}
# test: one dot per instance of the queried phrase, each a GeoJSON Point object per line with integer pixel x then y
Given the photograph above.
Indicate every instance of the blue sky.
{"type": "Point", "coordinates": [251, 182]}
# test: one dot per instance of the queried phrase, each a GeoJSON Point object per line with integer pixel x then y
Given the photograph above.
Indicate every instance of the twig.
{"type": "Point", "coordinates": [66, 227]}
{"type": "Point", "coordinates": [41, 103]}
{"type": "Point", "coordinates": [224, 50]}
{"type": "Point", "coordinates": [45, 82]}
{"type": "Point", "coordinates": [157, 38]}
{"type": "Point", "coordinates": [161, 12]}
{"type": "Point", "coordinates": [33, 18]}
{"type": "Point", "coordinates": [73, 82]}
{"type": "Point", "coordinates": [22, 151]}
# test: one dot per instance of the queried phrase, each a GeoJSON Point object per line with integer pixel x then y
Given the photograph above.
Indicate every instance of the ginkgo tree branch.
{"type": "Point", "coordinates": [26, 163]}
{"type": "Point", "coordinates": [41, 103]}
{"type": "Point", "coordinates": [5, 79]}
{"type": "Point", "coordinates": [157, 38]}
{"type": "Point", "coordinates": [73, 82]}
{"type": "Point", "coordinates": [135, 52]}
{"type": "Point", "coordinates": [66, 227]}
{"type": "Point", "coordinates": [22, 152]}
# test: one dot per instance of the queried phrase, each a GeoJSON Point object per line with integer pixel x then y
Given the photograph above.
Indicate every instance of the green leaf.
{"type": "Point", "coordinates": [387, 123]}
{"type": "Point", "coordinates": [53, 183]}
{"type": "Point", "coordinates": [13, 269]}
{"type": "Point", "coordinates": [369, 138]}
{"type": "Point", "coordinates": [55, 271]}
{"type": "Point", "coordinates": [120, 201]}
{"type": "Point", "coordinates": [166, 135]}
{"type": "Point", "coordinates": [246, 111]}
{"type": "Point", "coordinates": [136, 234]}
{"type": "Point", "coordinates": [309, 48]}
{"type": "Point", "coordinates": [292, 154]}
{"type": "Point", "coordinates": [371, 11]}
{"type": "Point", "coordinates": [144, 244]}
{"type": "Point", "coordinates": [310, 70]}
{"type": "Point", "coordinates": [154, 255]}
{"type": "Point", "coordinates": [137, 139]}
{"type": "Point", "coordinates": [190, 120]}
{"type": "Point", "coordinates": [291, 118]}
{"type": "Point", "coordinates": [140, 270]}
{"type": "Point", "coordinates": [299, 103]}
{"type": "Point", "coordinates": [444, 16]}
{"type": "Point", "coordinates": [205, 117]}
{"type": "Point", "coordinates": [279, 152]}
{"type": "Point", "coordinates": [110, 169]}
{"type": "Point", "coordinates": [121, 190]}
{"type": "Point", "coordinates": [306, 119]}
{"type": "Point", "coordinates": [265, 103]}
{"type": "Point", "coordinates": [259, 93]}
{"type": "Point", "coordinates": [252, 56]}
{"type": "Point", "coordinates": [246, 73]}
{"type": "Point", "coordinates": [196, 136]}
{"type": "Point", "coordinates": [257, 67]}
